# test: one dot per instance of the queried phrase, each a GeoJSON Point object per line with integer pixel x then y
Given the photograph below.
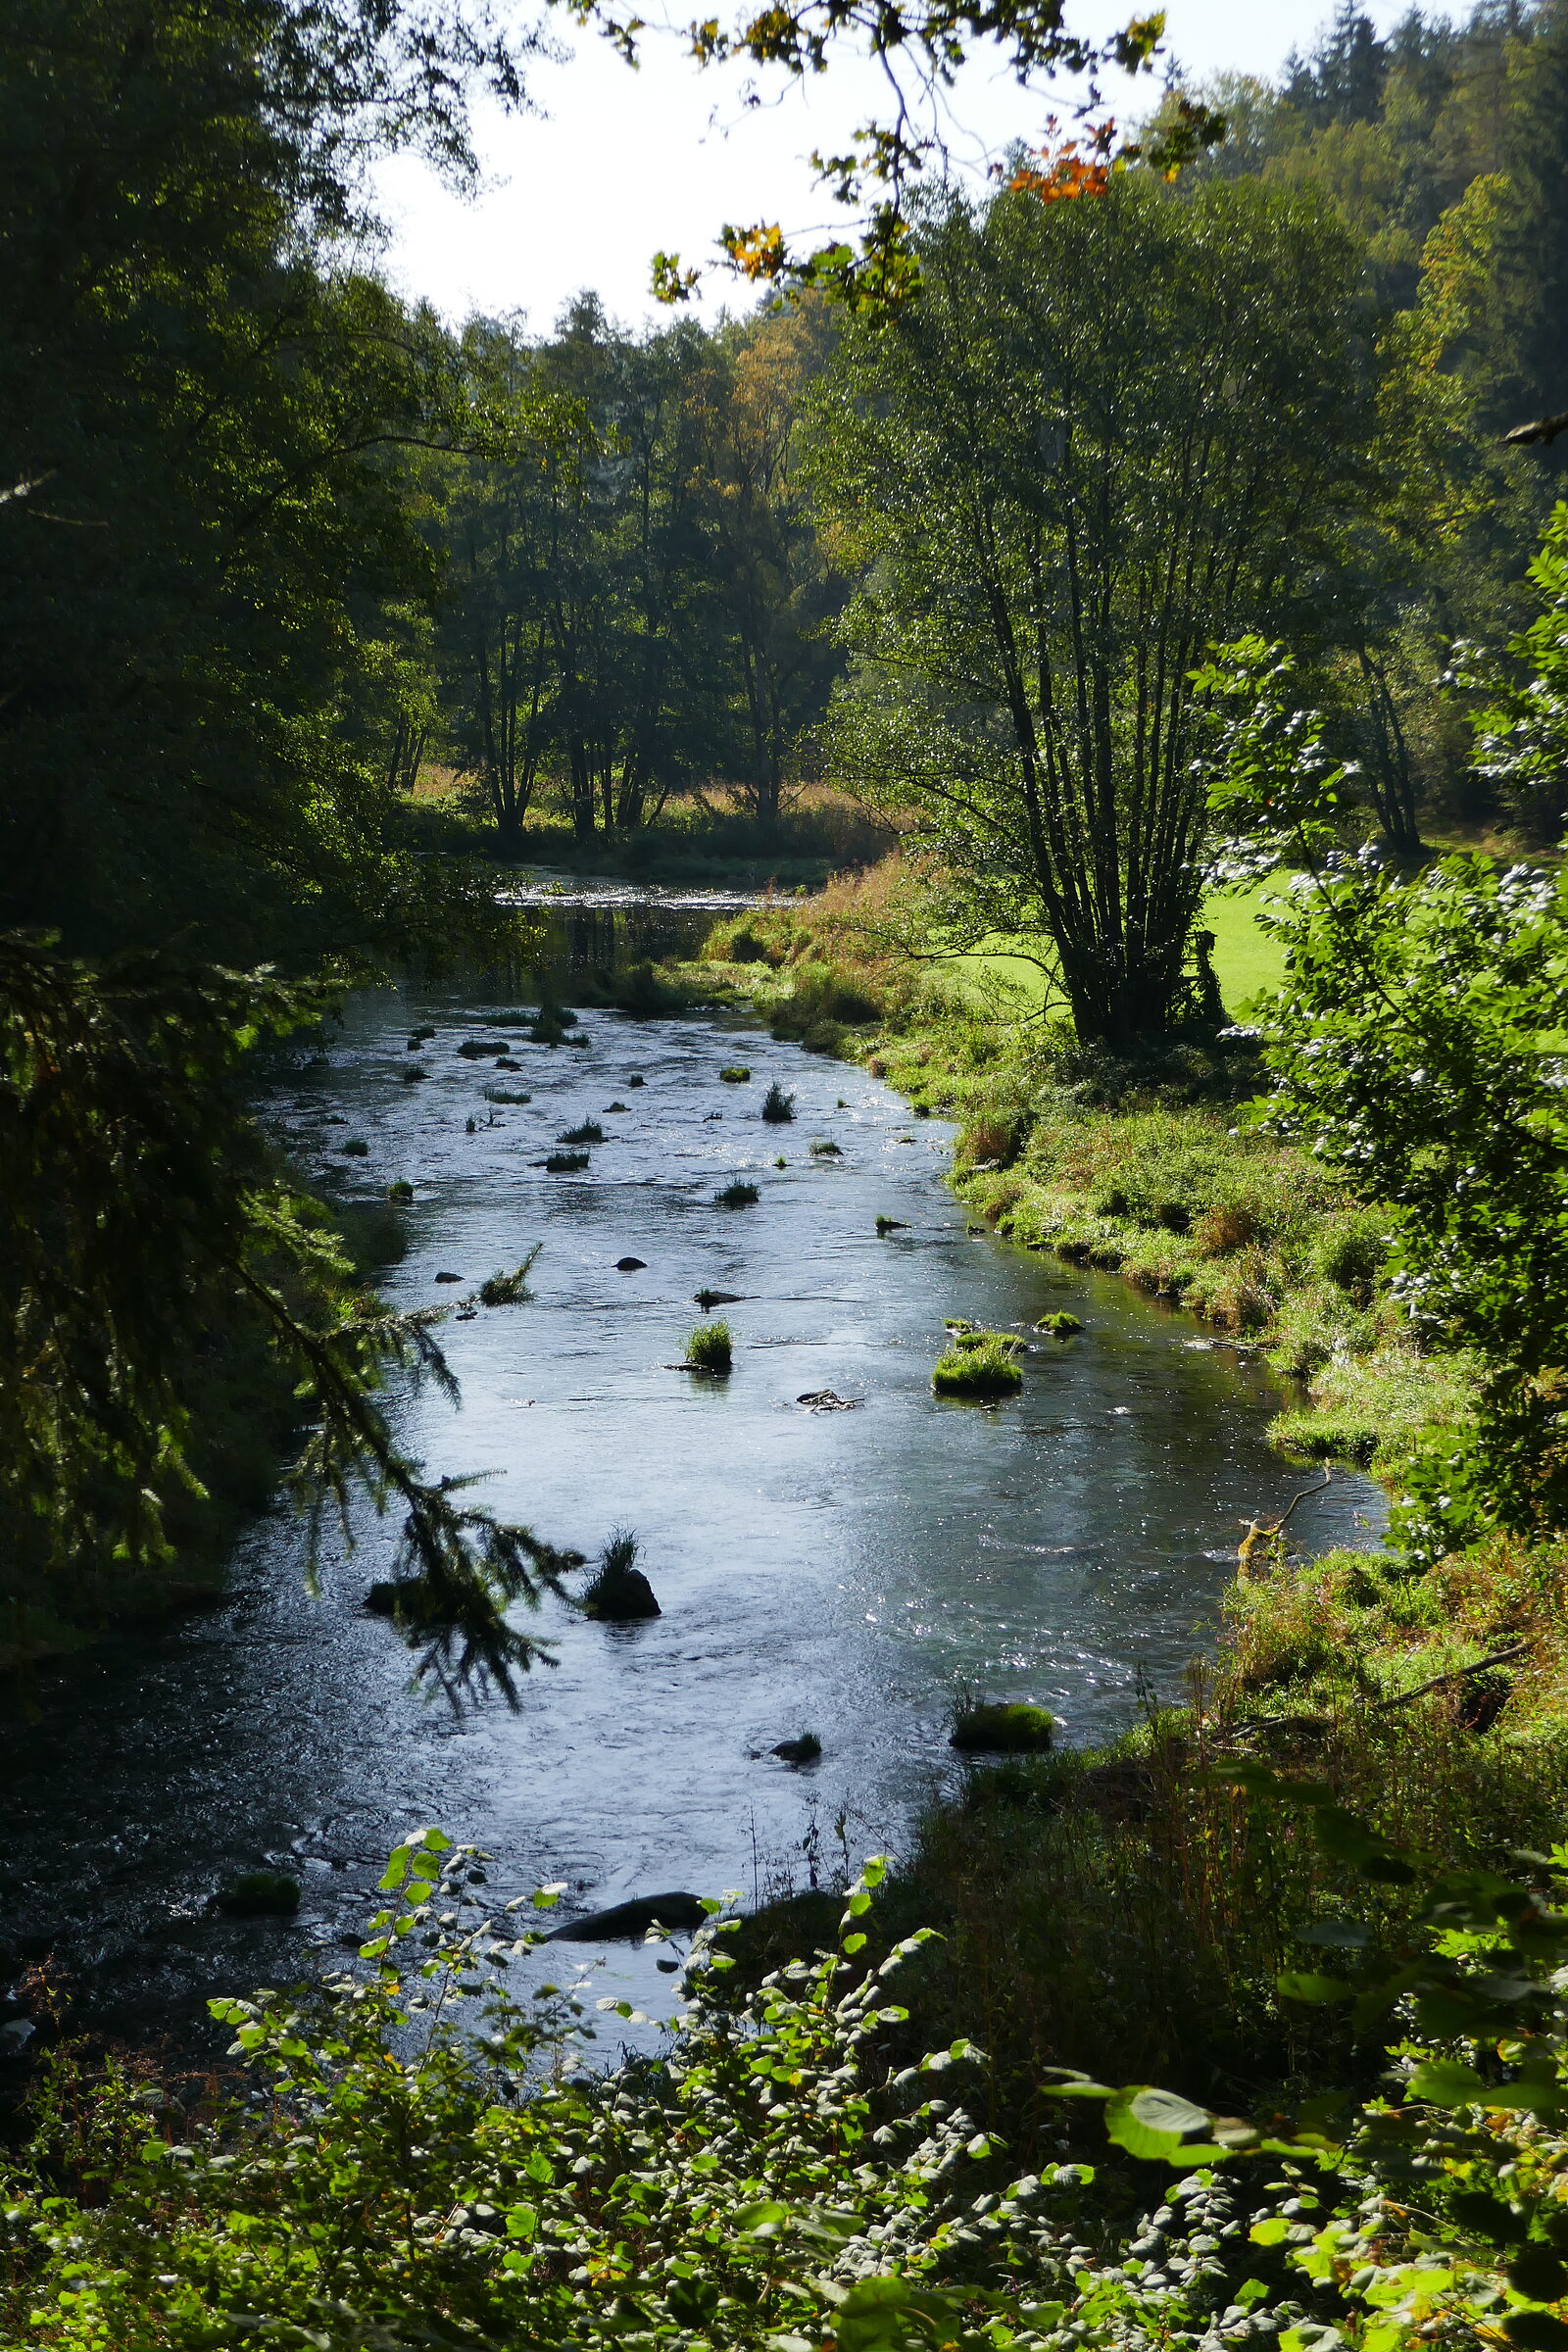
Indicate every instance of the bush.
{"type": "Point", "coordinates": [978, 1363]}
{"type": "Point", "coordinates": [711, 1349]}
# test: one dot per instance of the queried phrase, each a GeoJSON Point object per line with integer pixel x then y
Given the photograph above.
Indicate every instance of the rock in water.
{"type": "Point", "coordinates": [621, 1599]}
{"type": "Point", "coordinates": [259, 1895]}
{"type": "Point", "coordinates": [823, 1400]}
{"type": "Point", "coordinates": [631, 1919]}
{"type": "Point", "coordinates": [803, 1751]}
{"type": "Point", "coordinates": [630, 1265]}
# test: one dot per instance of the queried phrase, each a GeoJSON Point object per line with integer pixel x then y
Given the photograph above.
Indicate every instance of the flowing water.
{"type": "Point", "coordinates": [839, 1572]}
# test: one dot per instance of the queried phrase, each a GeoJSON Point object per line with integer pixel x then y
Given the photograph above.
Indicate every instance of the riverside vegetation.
{"type": "Point", "coordinates": [280, 547]}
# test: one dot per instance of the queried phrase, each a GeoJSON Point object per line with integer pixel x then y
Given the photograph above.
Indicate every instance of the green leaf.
{"type": "Point", "coordinates": [761, 2220]}
{"type": "Point", "coordinates": [1535, 2331]}
{"type": "Point", "coordinates": [1298, 1986]}
{"type": "Point", "coordinates": [1539, 2274]}
{"type": "Point", "coordinates": [1445, 2083]}
{"type": "Point", "coordinates": [1168, 2111]}
{"type": "Point", "coordinates": [1126, 2128]}
{"type": "Point", "coordinates": [396, 1871]}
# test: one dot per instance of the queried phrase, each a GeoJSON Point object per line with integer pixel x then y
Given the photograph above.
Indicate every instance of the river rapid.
{"type": "Point", "coordinates": [839, 1572]}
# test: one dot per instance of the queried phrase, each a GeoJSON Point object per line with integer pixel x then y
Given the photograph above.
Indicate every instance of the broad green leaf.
{"type": "Point", "coordinates": [1297, 1985]}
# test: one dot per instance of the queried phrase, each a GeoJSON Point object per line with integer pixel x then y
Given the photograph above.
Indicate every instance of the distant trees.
{"type": "Point", "coordinates": [633, 584]}
{"type": "Point", "coordinates": [1108, 433]}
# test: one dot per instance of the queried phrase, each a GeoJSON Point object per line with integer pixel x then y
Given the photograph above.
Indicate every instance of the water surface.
{"type": "Point", "coordinates": [838, 1572]}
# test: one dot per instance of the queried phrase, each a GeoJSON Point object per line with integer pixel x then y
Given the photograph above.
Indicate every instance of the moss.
{"type": "Point", "coordinates": [737, 1075]}
{"type": "Point", "coordinates": [983, 1727]}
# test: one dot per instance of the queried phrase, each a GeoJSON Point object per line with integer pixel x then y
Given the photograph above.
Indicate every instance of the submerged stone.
{"type": "Point", "coordinates": [675, 1910]}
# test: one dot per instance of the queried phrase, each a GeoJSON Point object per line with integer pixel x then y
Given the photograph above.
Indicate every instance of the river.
{"type": "Point", "coordinates": [836, 1572]}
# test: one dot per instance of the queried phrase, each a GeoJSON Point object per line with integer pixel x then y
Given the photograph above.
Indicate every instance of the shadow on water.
{"type": "Point", "coordinates": [833, 1572]}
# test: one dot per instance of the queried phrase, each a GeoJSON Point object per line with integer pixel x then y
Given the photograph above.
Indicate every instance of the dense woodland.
{"type": "Point", "coordinates": [1106, 538]}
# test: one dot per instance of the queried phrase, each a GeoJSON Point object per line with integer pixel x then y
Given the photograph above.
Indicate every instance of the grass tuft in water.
{"type": "Point", "coordinates": [891, 1225]}
{"type": "Point", "coordinates": [978, 1363]}
{"type": "Point", "coordinates": [618, 1591]}
{"type": "Point", "coordinates": [779, 1107]}
{"type": "Point", "coordinates": [737, 1196]}
{"type": "Point", "coordinates": [590, 1132]}
{"type": "Point", "coordinates": [498, 1094]}
{"type": "Point", "coordinates": [711, 1349]}
{"type": "Point", "coordinates": [566, 1163]}
{"type": "Point", "coordinates": [827, 1150]}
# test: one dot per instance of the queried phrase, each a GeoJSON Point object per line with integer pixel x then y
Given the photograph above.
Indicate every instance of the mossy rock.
{"type": "Point", "coordinates": [1008, 1729]}
{"type": "Point", "coordinates": [1058, 1326]}
{"type": "Point", "coordinates": [738, 1075]}
{"type": "Point", "coordinates": [259, 1895]}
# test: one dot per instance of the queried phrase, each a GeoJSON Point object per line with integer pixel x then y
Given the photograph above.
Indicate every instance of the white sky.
{"type": "Point", "coordinates": [621, 164]}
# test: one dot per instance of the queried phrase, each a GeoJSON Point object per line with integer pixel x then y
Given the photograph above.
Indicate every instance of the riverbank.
{"type": "Point", "coordinates": [1149, 1170]}
{"type": "Point", "coordinates": [1108, 1909]}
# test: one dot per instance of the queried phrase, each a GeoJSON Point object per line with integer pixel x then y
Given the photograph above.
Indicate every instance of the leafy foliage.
{"type": "Point", "coordinates": [1413, 1047]}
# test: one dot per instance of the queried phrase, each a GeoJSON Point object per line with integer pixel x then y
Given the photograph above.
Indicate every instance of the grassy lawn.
{"type": "Point", "coordinates": [1246, 957]}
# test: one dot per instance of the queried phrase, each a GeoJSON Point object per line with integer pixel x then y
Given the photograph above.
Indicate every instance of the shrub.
{"type": "Point", "coordinates": [779, 1107]}
{"type": "Point", "coordinates": [978, 1363]}
{"type": "Point", "coordinates": [985, 1142]}
{"type": "Point", "coordinates": [711, 1349]}
{"type": "Point", "coordinates": [738, 1194]}
{"type": "Point", "coordinates": [1229, 1225]}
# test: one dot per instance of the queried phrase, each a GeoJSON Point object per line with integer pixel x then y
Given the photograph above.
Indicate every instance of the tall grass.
{"type": "Point", "coordinates": [710, 1348]}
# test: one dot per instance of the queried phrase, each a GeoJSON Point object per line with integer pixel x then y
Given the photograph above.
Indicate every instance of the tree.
{"type": "Point", "coordinates": [779, 591]}
{"type": "Point", "coordinates": [1107, 431]}
{"type": "Point", "coordinates": [1411, 1047]}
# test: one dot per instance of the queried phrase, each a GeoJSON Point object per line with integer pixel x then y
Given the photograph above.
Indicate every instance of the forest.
{"type": "Point", "coordinates": [1106, 629]}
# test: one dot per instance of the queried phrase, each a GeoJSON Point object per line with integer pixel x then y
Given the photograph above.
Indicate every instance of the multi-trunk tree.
{"type": "Point", "coordinates": [1108, 434]}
